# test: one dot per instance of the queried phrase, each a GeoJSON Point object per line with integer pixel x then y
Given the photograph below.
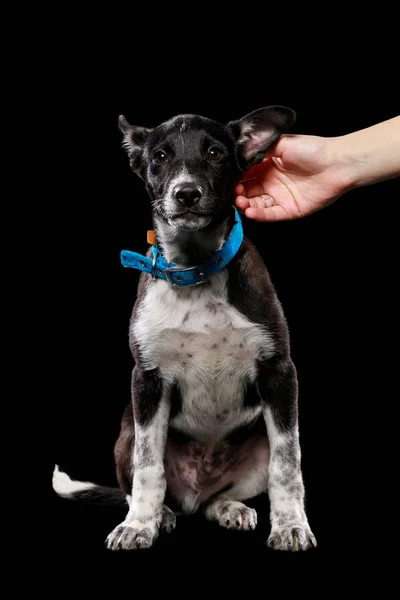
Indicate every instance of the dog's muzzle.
{"type": "Point", "coordinates": [187, 194]}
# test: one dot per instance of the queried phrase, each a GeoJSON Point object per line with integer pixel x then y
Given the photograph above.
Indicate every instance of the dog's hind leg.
{"type": "Point", "coordinates": [248, 480]}
{"type": "Point", "coordinates": [168, 520]}
{"type": "Point", "coordinates": [230, 513]}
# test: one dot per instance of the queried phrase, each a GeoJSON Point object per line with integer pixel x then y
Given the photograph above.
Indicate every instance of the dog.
{"type": "Point", "coordinates": [213, 420]}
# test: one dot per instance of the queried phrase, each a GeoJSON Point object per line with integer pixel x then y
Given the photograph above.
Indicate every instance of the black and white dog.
{"type": "Point", "coordinates": [213, 419]}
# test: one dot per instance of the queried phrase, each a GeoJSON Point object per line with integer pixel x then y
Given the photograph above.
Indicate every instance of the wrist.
{"type": "Point", "coordinates": [367, 156]}
{"type": "Point", "coordinates": [346, 162]}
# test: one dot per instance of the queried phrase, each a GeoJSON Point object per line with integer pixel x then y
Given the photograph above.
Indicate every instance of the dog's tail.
{"type": "Point", "coordinates": [84, 491]}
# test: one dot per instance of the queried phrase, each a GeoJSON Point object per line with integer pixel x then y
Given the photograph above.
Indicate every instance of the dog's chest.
{"type": "Point", "coordinates": [205, 346]}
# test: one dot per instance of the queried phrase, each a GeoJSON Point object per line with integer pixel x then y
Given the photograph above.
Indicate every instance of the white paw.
{"type": "Point", "coordinates": [132, 535]}
{"type": "Point", "coordinates": [235, 515]}
{"type": "Point", "coordinates": [295, 536]}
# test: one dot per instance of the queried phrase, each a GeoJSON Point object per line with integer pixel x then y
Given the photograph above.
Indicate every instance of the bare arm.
{"type": "Point", "coordinates": [370, 155]}
{"type": "Point", "coordinates": [302, 174]}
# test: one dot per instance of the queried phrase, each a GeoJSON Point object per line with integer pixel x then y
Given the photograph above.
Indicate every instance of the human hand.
{"type": "Point", "coordinates": [300, 175]}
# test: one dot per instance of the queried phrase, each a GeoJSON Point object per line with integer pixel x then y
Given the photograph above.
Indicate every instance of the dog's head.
{"type": "Point", "coordinates": [190, 163]}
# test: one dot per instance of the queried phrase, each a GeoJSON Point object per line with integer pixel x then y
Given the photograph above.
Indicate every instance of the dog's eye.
{"type": "Point", "coordinates": [159, 157]}
{"type": "Point", "coordinates": [214, 153]}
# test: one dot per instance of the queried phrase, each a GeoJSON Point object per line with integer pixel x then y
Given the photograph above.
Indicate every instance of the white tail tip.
{"type": "Point", "coordinates": [64, 486]}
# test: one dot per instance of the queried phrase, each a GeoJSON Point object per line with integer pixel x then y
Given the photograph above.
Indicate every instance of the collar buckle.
{"type": "Point", "coordinates": [176, 281]}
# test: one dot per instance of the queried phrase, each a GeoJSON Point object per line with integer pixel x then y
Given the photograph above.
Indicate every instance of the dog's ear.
{"type": "Point", "coordinates": [134, 139]}
{"type": "Point", "coordinates": [258, 131]}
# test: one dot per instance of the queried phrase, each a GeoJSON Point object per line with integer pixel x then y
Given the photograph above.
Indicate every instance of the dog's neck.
{"type": "Point", "coordinates": [190, 248]}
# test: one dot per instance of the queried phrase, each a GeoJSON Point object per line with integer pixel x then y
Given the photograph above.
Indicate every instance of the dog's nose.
{"type": "Point", "coordinates": [187, 194]}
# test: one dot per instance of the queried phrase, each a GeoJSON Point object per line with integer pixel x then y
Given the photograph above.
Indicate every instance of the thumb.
{"type": "Point", "coordinates": [277, 150]}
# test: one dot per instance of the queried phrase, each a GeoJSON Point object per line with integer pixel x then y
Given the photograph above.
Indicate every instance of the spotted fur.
{"type": "Point", "coordinates": [213, 419]}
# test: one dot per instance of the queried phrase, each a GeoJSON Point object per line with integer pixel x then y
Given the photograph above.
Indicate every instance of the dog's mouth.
{"type": "Point", "coordinates": [190, 215]}
{"type": "Point", "coordinates": [190, 219]}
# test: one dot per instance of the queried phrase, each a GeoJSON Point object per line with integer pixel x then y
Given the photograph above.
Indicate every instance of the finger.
{"type": "Point", "coordinates": [252, 189]}
{"type": "Point", "coordinates": [263, 201]}
{"type": "Point", "coordinates": [254, 171]}
{"type": "Point", "coordinates": [239, 189]}
{"type": "Point", "coordinates": [242, 202]}
{"type": "Point", "coordinates": [249, 174]}
{"type": "Point", "coordinates": [270, 214]}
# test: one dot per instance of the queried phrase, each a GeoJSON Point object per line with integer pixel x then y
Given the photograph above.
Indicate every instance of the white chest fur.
{"type": "Point", "coordinates": [199, 341]}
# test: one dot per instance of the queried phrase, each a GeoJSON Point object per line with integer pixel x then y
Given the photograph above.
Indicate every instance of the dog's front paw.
{"type": "Point", "coordinates": [131, 535]}
{"type": "Point", "coordinates": [292, 537]}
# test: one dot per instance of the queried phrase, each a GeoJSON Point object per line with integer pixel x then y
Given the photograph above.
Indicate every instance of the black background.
{"type": "Point", "coordinates": [335, 274]}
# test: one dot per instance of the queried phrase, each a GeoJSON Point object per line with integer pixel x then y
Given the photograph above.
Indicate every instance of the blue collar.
{"type": "Point", "coordinates": [159, 268]}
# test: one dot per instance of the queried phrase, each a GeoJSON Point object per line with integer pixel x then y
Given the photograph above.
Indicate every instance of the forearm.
{"type": "Point", "coordinates": [369, 155]}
